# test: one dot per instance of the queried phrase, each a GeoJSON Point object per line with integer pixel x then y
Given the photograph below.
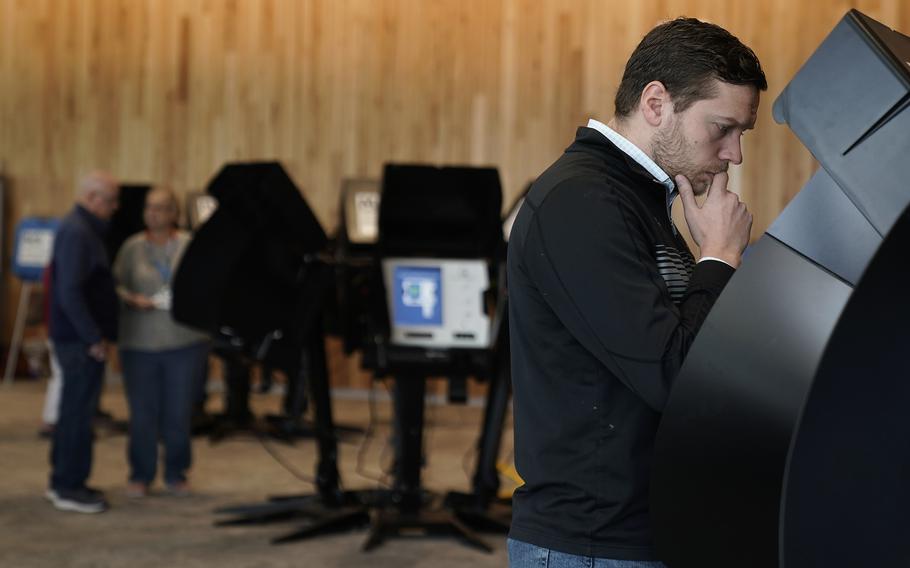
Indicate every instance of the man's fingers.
{"type": "Point", "coordinates": [718, 185]}
{"type": "Point", "coordinates": [685, 192]}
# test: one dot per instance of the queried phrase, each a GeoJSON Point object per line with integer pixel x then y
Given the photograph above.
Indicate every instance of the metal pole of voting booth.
{"type": "Point", "coordinates": [15, 344]}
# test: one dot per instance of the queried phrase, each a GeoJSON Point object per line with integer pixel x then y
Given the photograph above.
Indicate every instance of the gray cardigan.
{"type": "Point", "coordinates": [145, 268]}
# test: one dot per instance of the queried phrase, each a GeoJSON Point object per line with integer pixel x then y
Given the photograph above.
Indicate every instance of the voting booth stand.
{"type": "Point", "coordinates": [32, 252]}
{"type": "Point", "coordinates": [436, 312]}
{"type": "Point", "coordinates": [430, 306]}
{"type": "Point", "coordinates": [330, 509]}
{"type": "Point", "coordinates": [254, 277]}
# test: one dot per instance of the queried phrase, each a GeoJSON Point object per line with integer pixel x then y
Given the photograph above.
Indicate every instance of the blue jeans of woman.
{"type": "Point", "coordinates": [159, 387]}
{"type": "Point", "coordinates": [524, 555]}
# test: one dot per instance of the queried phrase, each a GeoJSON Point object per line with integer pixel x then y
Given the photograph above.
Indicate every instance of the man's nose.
{"type": "Point", "coordinates": [732, 151]}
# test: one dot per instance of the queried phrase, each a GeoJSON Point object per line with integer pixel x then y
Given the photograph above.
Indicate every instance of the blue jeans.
{"type": "Point", "coordinates": [524, 555]}
{"type": "Point", "coordinates": [160, 386]}
{"type": "Point", "coordinates": [71, 449]}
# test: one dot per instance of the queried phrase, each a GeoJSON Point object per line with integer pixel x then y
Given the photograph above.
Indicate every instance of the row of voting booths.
{"type": "Point", "coordinates": [414, 280]}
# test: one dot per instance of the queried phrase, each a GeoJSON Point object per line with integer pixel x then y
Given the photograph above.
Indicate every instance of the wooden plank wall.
{"type": "Point", "coordinates": [169, 90]}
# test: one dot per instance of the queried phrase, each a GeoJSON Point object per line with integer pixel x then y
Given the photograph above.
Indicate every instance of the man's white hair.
{"type": "Point", "coordinates": [93, 182]}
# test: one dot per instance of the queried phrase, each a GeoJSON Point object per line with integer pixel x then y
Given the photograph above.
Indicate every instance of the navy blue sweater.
{"type": "Point", "coordinates": [605, 301]}
{"type": "Point", "coordinates": [83, 300]}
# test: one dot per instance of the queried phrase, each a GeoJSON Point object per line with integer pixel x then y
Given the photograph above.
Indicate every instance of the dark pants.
{"type": "Point", "coordinates": [71, 450]}
{"type": "Point", "coordinates": [160, 387]}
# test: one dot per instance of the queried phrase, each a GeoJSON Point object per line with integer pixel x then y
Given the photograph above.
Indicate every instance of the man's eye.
{"type": "Point", "coordinates": [723, 129]}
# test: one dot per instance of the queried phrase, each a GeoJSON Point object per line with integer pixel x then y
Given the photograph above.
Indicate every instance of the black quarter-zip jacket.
{"type": "Point", "coordinates": [605, 300]}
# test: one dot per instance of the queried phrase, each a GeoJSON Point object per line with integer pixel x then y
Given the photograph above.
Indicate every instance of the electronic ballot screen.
{"type": "Point", "coordinates": [417, 293]}
{"type": "Point", "coordinates": [437, 303]}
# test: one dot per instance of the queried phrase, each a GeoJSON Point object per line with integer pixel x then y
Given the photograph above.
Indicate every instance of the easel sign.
{"type": "Point", "coordinates": [34, 247]}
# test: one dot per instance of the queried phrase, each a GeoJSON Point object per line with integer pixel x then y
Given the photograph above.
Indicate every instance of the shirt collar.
{"type": "Point", "coordinates": [634, 152]}
{"type": "Point", "coordinates": [639, 156]}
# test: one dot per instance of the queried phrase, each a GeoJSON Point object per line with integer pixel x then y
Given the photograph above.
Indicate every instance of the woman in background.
{"type": "Point", "coordinates": [162, 360]}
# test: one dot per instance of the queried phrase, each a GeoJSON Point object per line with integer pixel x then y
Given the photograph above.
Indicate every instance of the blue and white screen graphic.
{"type": "Point", "coordinates": [418, 295]}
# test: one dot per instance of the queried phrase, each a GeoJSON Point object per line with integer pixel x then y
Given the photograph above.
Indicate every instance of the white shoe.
{"type": "Point", "coordinates": [77, 501]}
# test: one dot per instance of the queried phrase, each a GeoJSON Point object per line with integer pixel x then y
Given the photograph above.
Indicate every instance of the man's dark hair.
{"type": "Point", "coordinates": [686, 55]}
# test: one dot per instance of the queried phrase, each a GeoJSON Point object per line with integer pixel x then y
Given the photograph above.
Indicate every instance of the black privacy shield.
{"type": "Point", "coordinates": [449, 211]}
{"type": "Point", "coordinates": [795, 377]}
{"type": "Point", "coordinates": [821, 223]}
{"type": "Point", "coordinates": [127, 219]}
{"type": "Point", "coordinates": [242, 268]}
{"type": "Point", "coordinates": [724, 436]}
{"type": "Point", "coordinates": [848, 105]}
{"type": "Point", "coordinates": [847, 482]}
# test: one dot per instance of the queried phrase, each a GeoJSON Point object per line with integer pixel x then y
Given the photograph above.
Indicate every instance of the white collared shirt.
{"type": "Point", "coordinates": [638, 155]}
{"type": "Point", "coordinates": [649, 165]}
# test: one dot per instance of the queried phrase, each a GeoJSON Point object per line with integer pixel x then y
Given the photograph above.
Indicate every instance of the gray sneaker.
{"type": "Point", "coordinates": [77, 500]}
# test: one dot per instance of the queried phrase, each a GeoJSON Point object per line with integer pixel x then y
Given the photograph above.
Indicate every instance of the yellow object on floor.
{"type": "Point", "coordinates": [508, 471]}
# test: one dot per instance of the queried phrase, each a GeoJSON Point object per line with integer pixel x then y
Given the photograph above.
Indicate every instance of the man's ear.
{"type": "Point", "coordinates": [655, 104]}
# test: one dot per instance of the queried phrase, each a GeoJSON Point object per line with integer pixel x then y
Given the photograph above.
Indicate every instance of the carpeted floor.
{"type": "Point", "coordinates": [178, 532]}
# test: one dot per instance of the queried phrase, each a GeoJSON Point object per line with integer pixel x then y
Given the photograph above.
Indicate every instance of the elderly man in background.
{"type": "Point", "coordinates": [83, 320]}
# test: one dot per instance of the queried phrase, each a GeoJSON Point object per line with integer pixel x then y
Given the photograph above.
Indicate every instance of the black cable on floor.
{"type": "Point", "coordinates": [389, 470]}
{"type": "Point", "coordinates": [367, 440]}
{"type": "Point", "coordinates": [283, 463]}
